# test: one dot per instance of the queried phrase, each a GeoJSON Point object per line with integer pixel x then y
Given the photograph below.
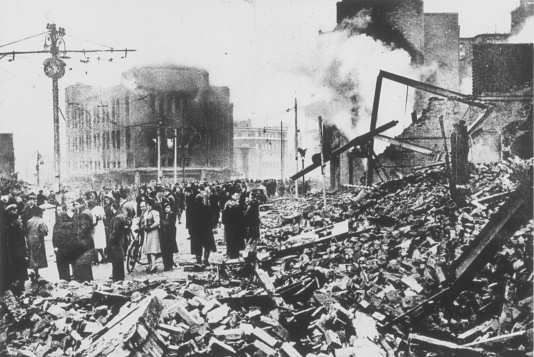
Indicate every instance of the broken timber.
{"type": "Point", "coordinates": [510, 216]}
{"type": "Point", "coordinates": [449, 94]}
{"type": "Point", "coordinates": [362, 139]}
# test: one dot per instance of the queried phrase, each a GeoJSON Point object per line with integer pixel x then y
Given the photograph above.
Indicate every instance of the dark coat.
{"type": "Point", "coordinates": [83, 232]}
{"type": "Point", "coordinates": [201, 227]}
{"type": "Point", "coordinates": [63, 238]}
{"type": "Point", "coordinates": [120, 227]}
{"type": "Point", "coordinates": [167, 233]}
{"type": "Point", "coordinates": [16, 249]}
{"type": "Point", "coordinates": [232, 218]}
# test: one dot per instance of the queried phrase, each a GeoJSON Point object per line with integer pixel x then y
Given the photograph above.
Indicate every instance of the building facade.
{"type": "Point", "coordinates": [260, 152]}
{"type": "Point", "coordinates": [112, 133]}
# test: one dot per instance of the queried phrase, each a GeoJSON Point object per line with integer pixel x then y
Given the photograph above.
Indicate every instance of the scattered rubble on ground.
{"type": "Point", "coordinates": [385, 271]}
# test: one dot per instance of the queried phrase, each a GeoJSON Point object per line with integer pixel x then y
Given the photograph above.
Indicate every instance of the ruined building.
{"type": "Point", "coordinates": [112, 133]}
{"type": "Point", "coordinates": [497, 73]}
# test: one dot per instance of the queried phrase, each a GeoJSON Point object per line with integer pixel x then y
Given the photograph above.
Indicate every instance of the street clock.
{"type": "Point", "coordinates": [54, 67]}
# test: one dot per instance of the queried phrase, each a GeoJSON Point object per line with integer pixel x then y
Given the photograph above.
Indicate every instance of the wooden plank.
{"type": "Point", "coordinates": [496, 228]}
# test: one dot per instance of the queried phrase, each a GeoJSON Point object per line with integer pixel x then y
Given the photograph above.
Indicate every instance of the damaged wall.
{"type": "Point", "coordinates": [396, 23]}
{"type": "Point", "coordinates": [502, 69]}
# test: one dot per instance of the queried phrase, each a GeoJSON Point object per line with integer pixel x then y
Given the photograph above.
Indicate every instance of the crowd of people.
{"type": "Point", "coordinates": [98, 227]}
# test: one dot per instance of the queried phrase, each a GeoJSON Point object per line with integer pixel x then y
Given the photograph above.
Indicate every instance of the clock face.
{"type": "Point", "coordinates": [54, 67]}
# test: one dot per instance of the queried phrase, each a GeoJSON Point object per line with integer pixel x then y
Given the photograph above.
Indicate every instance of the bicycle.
{"type": "Point", "coordinates": [134, 253]}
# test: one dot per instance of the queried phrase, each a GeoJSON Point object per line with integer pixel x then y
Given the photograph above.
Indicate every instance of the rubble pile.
{"type": "Point", "coordinates": [377, 274]}
{"type": "Point", "coordinates": [53, 320]}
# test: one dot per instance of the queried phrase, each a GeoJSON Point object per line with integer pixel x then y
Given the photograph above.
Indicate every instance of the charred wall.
{"type": "Point", "coordinates": [398, 23]}
{"type": "Point", "coordinates": [502, 69]}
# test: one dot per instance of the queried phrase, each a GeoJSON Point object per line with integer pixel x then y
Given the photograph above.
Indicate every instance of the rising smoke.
{"type": "Point", "coordinates": [343, 71]}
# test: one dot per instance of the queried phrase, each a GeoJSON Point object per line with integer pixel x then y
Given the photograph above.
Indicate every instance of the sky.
{"type": "Point", "coordinates": [255, 47]}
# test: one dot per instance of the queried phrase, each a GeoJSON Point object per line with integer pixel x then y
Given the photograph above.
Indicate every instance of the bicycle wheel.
{"type": "Point", "coordinates": [132, 255]}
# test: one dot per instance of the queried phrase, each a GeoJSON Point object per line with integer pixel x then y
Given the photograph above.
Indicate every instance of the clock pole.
{"type": "Point", "coordinates": [55, 69]}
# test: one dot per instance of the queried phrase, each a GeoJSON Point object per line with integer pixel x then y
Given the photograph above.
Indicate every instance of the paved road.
{"type": "Point", "coordinates": [102, 272]}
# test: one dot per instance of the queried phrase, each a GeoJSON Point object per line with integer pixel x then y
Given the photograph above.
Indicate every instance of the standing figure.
{"type": "Point", "coordinates": [118, 234]}
{"type": "Point", "coordinates": [83, 232]}
{"type": "Point", "coordinates": [168, 235]}
{"type": "Point", "coordinates": [179, 198]}
{"type": "Point", "coordinates": [202, 241]}
{"type": "Point", "coordinates": [232, 218]}
{"type": "Point", "coordinates": [64, 242]}
{"type": "Point", "coordinates": [99, 231]}
{"type": "Point", "coordinates": [149, 223]}
{"type": "Point", "coordinates": [252, 220]}
{"type": "Point", "coordinates": [16, 251]}
{"type": "Point", "coordinates": [36, 230]}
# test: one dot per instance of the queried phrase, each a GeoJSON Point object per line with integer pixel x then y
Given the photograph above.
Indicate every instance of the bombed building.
{"type": "Point", "coordinates": [494, 75]}
{"type": "Point", "coordinates": [113, 133]}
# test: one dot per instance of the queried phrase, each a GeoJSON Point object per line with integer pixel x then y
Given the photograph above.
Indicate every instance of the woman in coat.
{"type": "Point", "coordinates": [36, 230]}
{"type": "Point", "coordinates": [149, 223]}
{"type": "Point", "coordinates": [99, 231]}
{"type": "Point", "coordinates": [168, 235]}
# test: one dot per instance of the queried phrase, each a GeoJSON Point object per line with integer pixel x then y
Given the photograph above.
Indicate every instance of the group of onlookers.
{"type": "Point", "coordinates": [98, 226]}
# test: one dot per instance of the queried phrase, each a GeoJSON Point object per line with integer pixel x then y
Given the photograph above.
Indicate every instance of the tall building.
{"type": "Point", "coordinates": [112, 133]}
{"type": "Point", "coordinates": [442, 33]}
{"type": "Point", "coordinates": [260, 152]}
{"type": "Point", "coordinates": [7, 155]}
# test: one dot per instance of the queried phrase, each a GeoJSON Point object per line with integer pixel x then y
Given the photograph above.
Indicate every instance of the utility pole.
{"type": "Point", "coordinates": [281, 151]}
{"type": "Point", "coordinates": [321, 136]}
{"type": "Point", "coordinates": [175, 161]}
{"type": "Point", "coordinates": [54, 68]}
{"type": "Point", "coordinates": [296, 149]}
{"type": "Point", "coordinates": [38, 164]}
{"type": "Point", "coordinates": [158, 143]}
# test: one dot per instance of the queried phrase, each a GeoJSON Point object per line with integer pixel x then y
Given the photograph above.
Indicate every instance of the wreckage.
{"type": "Point", "coordinates": [398, 268]}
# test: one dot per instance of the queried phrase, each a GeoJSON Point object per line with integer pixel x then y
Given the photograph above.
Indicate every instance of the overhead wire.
{"type": "Point", "coordinates": [23, 39]}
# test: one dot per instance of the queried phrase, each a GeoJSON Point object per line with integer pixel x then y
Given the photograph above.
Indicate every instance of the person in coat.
{"type": "Point", "coordinates": [252, 219]}
{"type": "Point", "coordinates": [36, 230]}
{"type": "Point", "coordinates": [30, 209]}
{"type": "Point", "coordinates": [149, 224]}
{"type": "Point", "coordinates": [99, 231]}
{"type": "Point", "coordinates": [232, 219]}
{"type": "Point", "coordinates": [120, 228]}
{"type": "Point", "coordinates": [16, 249]}
{"type": "Point", "coordinates": [64, 242]}
{"type": "Point", "coordinates": [84, 252]}
{"type": "Point", "coordinates": [167, 235]}
{"type": "Point", "coordinates": [202, 224]}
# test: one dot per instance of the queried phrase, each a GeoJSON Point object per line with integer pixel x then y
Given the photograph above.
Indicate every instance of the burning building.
{"type": "Point", "coordinates": [113, 133]}
{"type": "Point", "coordinates": [500, 75]}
